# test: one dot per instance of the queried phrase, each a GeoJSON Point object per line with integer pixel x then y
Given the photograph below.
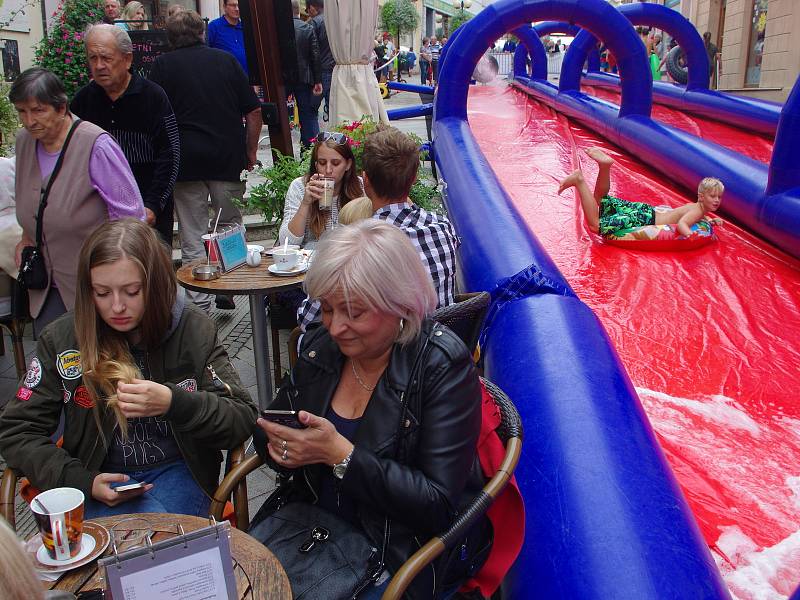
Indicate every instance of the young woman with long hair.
{"type": "Point", "coordinates": [148, 393]}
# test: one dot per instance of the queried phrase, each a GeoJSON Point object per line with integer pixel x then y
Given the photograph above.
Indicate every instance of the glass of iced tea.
{"type": "Point", "coordinates": [59, 515]}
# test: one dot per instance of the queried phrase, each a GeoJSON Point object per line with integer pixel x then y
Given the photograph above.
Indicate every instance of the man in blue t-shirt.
{"type": "Point", "coordinates": [226, 33]}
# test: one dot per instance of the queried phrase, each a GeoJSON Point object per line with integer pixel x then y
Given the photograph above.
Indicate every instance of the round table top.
{"type": "Point", "coordinates": [244, 280]}
{"type": "Point", "coordinates": [259, 574]}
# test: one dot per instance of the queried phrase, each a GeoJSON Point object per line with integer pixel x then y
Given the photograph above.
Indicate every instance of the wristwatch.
{"type": "Point", "coordinates": [340, 468]}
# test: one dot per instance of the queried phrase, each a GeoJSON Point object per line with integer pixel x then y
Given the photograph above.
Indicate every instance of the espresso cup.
{"type": "Point", "coordinates": [326, 200]}
{"type": "Point", "coordinates": [285, 260]}
{"type": "Point", "coordinates": [59, 515]}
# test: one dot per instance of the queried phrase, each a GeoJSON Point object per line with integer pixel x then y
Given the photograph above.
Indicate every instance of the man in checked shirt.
{"type": "Point", "coordinates": [391, 161]}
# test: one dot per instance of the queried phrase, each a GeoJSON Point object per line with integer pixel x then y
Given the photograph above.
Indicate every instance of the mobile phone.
{"type": "Point", "coordinates": [287, 418]}
{"type": "Point", "coordinates": [130, 487]}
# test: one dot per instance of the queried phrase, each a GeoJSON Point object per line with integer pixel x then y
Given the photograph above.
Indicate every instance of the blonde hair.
{"type": "Point", "coordinates": [356, 210]}
{"type": "Point", "coordinates": [711, 183]}
{"type": "Point", "coordinates": [377, 263]}
{"type": "Point", "coordinates": [129, 12]}
{"type": "Point", "coordinates": [105, 358]}
{"type": "Point", "coordinates": [17, 578]}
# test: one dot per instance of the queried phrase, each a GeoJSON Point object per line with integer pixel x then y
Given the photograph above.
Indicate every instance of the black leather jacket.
{"type": "Point", "coordinates": [399, 505]}
{"type": "Point", "coordinates": [308, 65]}
{"type": "Point", "coordinates": [325, 55]}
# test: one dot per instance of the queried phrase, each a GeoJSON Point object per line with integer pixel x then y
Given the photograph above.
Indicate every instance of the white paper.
{"type": "Point", "coordinates": [196, 577]}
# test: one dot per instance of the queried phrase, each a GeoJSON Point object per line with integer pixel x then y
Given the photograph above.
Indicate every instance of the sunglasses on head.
{"type": "Point", "coordinates": [332, 136]}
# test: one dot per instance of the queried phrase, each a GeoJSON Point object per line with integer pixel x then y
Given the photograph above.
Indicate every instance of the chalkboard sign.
{"type": "Point", "coordinates": [147, 46]}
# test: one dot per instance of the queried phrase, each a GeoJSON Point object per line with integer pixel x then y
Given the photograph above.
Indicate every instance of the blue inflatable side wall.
{"type": "Point", "coordinates": [606, 518]}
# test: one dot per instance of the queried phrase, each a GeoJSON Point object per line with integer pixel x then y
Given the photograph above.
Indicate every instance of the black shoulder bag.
{"type": "Point", "coordinates": [32, 269]}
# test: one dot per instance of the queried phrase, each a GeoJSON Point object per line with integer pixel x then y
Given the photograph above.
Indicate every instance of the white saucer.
{"type": "Point", "coordinates": [87, 545]}
{"type": "Point", "coordinates": [269, 251]}
{"type": "Point", "coordinates": [301, 267]}
{"type": "Point", "coordinates": [257, 247]}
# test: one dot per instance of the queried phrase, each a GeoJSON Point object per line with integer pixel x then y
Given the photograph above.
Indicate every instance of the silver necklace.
{"type": "Point", "coordinates": [359, 380]}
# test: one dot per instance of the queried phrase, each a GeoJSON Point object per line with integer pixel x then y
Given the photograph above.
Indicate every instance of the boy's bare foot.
{"type": "Point", "coordinates": [571, 180]}
{"type": "Point", "coordinates": [600, 157]}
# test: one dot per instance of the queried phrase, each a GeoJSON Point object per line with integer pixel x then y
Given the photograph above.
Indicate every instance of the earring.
{"type": "Point", "coordinates": [402, 323]}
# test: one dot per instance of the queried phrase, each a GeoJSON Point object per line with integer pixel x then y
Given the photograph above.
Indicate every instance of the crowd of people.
{"type": "Point", "coordinates": [130, 382]}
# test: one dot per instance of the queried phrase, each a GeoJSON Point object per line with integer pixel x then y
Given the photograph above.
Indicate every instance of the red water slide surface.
{"type": "Point", "coordinates": [710, 337]}
{"type": "Point", "coordinates": [754, 146]}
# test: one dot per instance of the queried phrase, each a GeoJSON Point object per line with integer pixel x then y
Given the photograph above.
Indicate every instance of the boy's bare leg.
{"type": "Point", "coordinates": [604, 162]}
{"type": "Point", "coordinates": [591, 210]}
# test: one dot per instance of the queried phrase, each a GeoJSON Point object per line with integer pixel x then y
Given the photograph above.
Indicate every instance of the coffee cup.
{"type": "Point", "coordinates": [285, 260]}
{"type": "Point", "coordinates": [59, 515]}
{"type": "Point", "coordinates": [326, 201]}
{"type": "Point", "coordinates": [253, 257]}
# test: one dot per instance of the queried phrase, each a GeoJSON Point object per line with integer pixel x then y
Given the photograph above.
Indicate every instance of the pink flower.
{"type": "Point", "coordinates": [65, 37]}
{"type": "Point", "coordinates": [67, 60]}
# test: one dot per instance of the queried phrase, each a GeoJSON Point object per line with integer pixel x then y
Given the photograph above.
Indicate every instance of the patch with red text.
{"type": "Point", "coordinates": [190, 385]}
{"type": "Point", "coordinates": [24, 394]}
{"type": "Point", "coordinates": [34, 374]}
{"type": "Point", "coordinates": [83, 398]}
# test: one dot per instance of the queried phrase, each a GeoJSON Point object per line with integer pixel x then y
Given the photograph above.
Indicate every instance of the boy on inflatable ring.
{"type": "Point", "coordinates": [619, 220]}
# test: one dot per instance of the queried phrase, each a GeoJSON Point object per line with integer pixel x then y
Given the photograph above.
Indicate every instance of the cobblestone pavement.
{"type": "Point", "coordinates": [234, 331]}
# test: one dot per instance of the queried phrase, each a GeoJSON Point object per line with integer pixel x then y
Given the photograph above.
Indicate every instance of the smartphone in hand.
{"type": "Point", "coordinates": [130, 487]}
{"type": "Point", "coordinates": [287, 418]}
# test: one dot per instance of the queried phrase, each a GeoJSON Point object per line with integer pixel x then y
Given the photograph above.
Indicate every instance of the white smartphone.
{"type": "Point", "coordinates": [130, 487]}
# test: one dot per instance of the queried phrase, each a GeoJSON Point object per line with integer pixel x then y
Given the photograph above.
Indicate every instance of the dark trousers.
{"type": "Point", "coordinates": [308, 110]}
{"type": "Point", "coordinates": [165, 221]}
{"type": "Point", "coordinates": [424, 71]}
{"type": "Point", "coordinates": [326, 90]}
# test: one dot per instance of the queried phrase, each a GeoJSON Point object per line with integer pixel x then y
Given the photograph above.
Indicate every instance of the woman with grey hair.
{"type": "Point", "coordinates": [71, 177]}
{"type": "Point", "coordinates": [388, 407]}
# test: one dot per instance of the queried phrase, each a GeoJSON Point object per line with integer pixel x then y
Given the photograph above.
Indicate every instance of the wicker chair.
{"type": "Point", "coordinates": [239, 511]}
{"type": "Point", "coordinates": [14, 323]}
{"type": "Point", "coordinates": [465, 316]}
{"type": "Point", "coordinates": [510, 431]}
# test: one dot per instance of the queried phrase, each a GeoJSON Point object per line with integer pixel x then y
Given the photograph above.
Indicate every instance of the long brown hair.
{"type": "Point", "coordinates": [105, 357]}
{"type": "Point", "coordinates": [351, 185]}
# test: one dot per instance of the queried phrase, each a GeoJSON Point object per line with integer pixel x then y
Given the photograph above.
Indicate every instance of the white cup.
{"type": "Point", "coordinates": [253, 257]}
{"type": "Point", "coordinates": [326, 201]}
{"type": "Point", "coordinates": [59, 516]}
{"type": "Point", "coordinates": [285, 260]}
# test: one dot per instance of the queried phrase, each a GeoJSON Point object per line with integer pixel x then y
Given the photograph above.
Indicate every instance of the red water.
{"type": "Point", "coordinates": [708, 337]}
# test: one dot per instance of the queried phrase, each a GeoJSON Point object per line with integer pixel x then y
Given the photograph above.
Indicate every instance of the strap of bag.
{"type": "Point", "coordinates": [46, 192]}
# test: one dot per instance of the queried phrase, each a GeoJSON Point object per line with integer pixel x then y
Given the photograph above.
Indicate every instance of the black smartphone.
{"type": "Point", "coordinates": [287, 418]}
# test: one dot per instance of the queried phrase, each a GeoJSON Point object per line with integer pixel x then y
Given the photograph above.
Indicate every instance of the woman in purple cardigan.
{"type": "Point", "coordinates": [94, 185]}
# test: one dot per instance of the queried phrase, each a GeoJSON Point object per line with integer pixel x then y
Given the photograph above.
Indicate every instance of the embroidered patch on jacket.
{"type": "Point", "coordinates": [82, 397]}
{"type": "Point", "coordinates": [190, 385]}
{"type": "Point", "coordinates": [67, 395]}
{"type": "Point", "coordinates": [34, 374]}
{"type": "Point", "coordinates": [68, 364]}
{"type": "Point", "coordinates": [24, 394]}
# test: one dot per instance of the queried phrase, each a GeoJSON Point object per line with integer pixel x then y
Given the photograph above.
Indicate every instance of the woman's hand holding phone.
{"type": "Point", "coordinates": [103, 492]}
{"type": "Point", "coordinates": [317, 442]}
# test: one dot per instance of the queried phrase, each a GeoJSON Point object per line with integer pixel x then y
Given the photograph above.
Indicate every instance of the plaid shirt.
{"type": "Point", "coordinates": [435, 240]}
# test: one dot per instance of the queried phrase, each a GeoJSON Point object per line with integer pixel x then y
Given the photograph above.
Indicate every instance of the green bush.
{"type": "Point", "coordinates": [8, 121]}
{"type": "Point", "coordinates": [62, 50]}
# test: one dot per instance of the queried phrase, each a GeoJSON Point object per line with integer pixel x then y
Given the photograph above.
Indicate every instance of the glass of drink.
{"type": "Point", "coordinates": [326, 200]}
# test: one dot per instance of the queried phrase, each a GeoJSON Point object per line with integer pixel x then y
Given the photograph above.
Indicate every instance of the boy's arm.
{"type": "Point", "coordinates": [685, 223]}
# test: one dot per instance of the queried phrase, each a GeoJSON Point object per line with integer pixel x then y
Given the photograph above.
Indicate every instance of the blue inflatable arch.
{"type": "Point", "coordinates": [656, 15]}
{"type": "Point", "coordinates": [605, 516]}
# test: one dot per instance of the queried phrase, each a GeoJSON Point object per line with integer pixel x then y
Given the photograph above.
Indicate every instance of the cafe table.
{"type": "Point", "coordinates": [257, 283]}
{"type": "Point", "coordinates": [259, 574]}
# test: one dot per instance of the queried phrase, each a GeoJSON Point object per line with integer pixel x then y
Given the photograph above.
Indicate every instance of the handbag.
{"type": "Point", "coordinates": [33, 273]}
{"type": "Point", "coordinates": [324, 556]}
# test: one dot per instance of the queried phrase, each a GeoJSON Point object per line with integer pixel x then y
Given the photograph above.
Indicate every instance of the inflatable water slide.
{"type": "Point", "coordinates": [658, 390]}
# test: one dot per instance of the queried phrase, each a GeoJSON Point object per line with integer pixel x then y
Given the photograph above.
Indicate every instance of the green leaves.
{"type": "Point", "coordinates": [399, 15]}
{"type": "Point", "coordinates": [62, 51]}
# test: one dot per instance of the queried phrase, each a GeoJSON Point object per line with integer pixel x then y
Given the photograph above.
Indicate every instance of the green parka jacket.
{"type": "Point", "coordinates": [210, 410]}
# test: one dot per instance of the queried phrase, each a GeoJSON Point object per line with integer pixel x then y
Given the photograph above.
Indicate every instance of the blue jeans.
{"type": "Point", "coordinates": [174, 491]}
{"type": "Point", "coordinates": [308, 111]}
{"type": "Point", "coordinates": [424, 71]}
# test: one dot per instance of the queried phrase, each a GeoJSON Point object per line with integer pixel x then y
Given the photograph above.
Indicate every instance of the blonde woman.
{"type": "Point", "coordinates": [148, 393]}
{"type": "Point", "coordinates": [133, 17]}
{"type": "Point", "coordinates": [18, 580]}
{"type": "Point", "coordinates": [356, 210]}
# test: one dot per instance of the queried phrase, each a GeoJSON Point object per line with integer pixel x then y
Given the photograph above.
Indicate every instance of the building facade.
{"type": "Point", "coordinates": [21, 29]}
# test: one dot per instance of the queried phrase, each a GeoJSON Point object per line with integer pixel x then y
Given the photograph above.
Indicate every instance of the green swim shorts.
{"type": "Point", "coordinates": [617, 214]}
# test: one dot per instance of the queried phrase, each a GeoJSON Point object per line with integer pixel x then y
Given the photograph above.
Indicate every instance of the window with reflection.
{"type": "Point", "coordinates": [758, 28]}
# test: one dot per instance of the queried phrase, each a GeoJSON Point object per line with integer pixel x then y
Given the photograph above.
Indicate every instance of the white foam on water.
{"type": "Point", "coordinates": [759, 573]}
{"type": "Point", "coordinates": [720, 409]}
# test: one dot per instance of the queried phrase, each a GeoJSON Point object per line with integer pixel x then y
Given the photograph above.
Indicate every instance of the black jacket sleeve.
{"type": "Point", "coordinates": [167, 149]}
{"type": "Point", "coordinates": [313, 56]}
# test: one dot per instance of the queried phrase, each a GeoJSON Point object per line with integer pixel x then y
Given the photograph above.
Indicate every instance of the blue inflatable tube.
{"type": "Point", "coordinates": [605, 518]}
{"type": "Point", "coordinates": [409, 87]}
{"type": "Point", "coordinates": [409, 112]}
{"type": "Point", "coordinates": [695, 97]}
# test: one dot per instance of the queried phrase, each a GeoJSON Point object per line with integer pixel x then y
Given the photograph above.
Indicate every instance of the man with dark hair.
{"type": "Point", "coordinates": [226, 33]}
{"type": "Point", "coordinates": [210, 94]}
{"type": "Point", "coordinates": [316, 9]}
{"type": "Point", "coordinates": [391, 162]}
{"type": "Point", "coordinates": [137, 113]}
{"type": "Point", "coordinates": [309, 78]}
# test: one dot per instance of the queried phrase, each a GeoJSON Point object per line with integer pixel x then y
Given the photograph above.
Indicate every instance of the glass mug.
{"type": "Point", "coordinates": [59, 515]}
{"type": "Point", "coordinates": [326, 201]}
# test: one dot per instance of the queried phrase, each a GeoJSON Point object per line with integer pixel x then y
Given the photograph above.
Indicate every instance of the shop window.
{"type": "Point", "coordinates": [758, 28]}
